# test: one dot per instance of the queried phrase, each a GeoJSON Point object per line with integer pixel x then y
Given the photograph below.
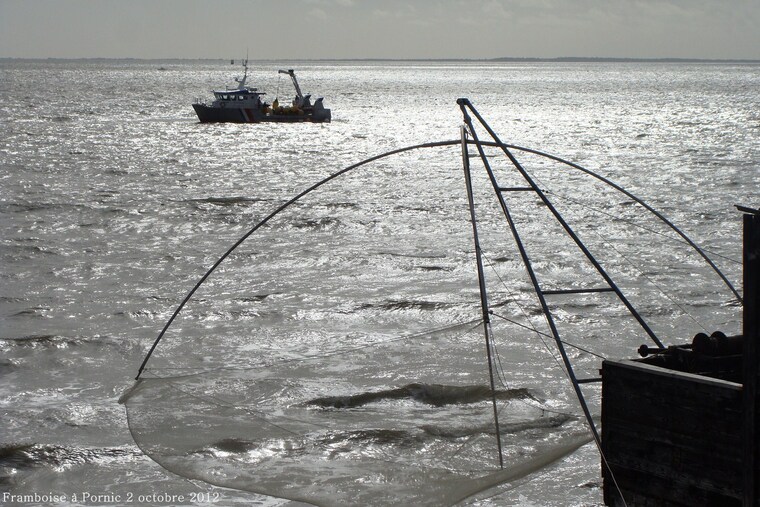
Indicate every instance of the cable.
{"type": "Point", "coordinates": [609, 244]}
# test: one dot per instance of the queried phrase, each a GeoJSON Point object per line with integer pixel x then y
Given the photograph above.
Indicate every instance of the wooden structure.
{"type": "Point", "coordinates": [679, 426]}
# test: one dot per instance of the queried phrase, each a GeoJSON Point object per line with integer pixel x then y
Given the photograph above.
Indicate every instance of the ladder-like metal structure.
{"type": "Point", "coordinates": [609, 286]}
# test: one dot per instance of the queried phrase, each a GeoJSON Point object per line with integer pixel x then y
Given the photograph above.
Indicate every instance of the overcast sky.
{"type": "Point", "coordinates": [302, 29]}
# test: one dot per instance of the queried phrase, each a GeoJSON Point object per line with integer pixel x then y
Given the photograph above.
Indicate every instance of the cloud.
{"type": "Point", "coordinates": [318, 13]}
{"type": "Point", "coordinates": [331, 3]}
{"type": "Point", "coordinates": [495, 8]}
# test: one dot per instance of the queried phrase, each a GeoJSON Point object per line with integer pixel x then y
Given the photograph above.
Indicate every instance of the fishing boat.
{"type": "Point", "coordinates": [245, 104]}
{"type": "Point", "coordinates": [299, 428]}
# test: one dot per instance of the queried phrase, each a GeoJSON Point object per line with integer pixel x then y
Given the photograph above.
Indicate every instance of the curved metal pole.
{"type": "Point", "coordinates": [622, 190]}
{"type": "Point", "coordinates": [437, 144]}
{"type": "Point", "coordinates": [638, 200]}
{"type": "Point", "coordinates": [264, 221]}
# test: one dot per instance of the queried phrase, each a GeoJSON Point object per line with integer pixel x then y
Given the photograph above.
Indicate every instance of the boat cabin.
{"type": "Point", "coordinates": [236, 95]}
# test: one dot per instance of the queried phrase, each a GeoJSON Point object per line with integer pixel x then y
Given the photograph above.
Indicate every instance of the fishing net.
{"type": "Point", "coordinates": [318, 395]}
{"type": "Point", "coordinates": [312, 374]}
{"type": "Point", "coordinates": [353, 428]}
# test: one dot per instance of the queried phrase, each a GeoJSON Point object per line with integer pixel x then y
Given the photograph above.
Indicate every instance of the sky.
{"type": "Point", "coordinates": [394, 29]}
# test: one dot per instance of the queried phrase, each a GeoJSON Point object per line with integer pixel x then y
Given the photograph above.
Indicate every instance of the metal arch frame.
{"type": "Point", "coordinates": [267, 219]}
{"type": "Point", "coordinates": [638, 200]}
{"type": "Point", "coordinates": [436, 144]}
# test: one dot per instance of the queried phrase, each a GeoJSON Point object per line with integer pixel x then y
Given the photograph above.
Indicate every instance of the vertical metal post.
{"type": "Point", "coordinates": [751, 358]}
{"type": "Point", "coordinates": [463, 103]}
{"type": "Point", "coordinates": [482, 285]}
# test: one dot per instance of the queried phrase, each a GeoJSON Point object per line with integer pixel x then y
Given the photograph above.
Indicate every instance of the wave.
{"type": "Point", "coordinates": [378, 436]}
{"type": "Point", "coordinates": [6, 366]}
{"type": "Point", "coordinates": [330, 439]}
{"type": "Point", "coordinates": [504, 427]}
{"type": "Point", "coordinates": [318, 224]}
{"type": "Point", "coordinates": [341, 205]}
{"type": "Point", "coordinates": [20, 456]}
{"type": "Point", "coordinates": [43, 340]}
{"type": "Point", "coordinates": [225, 201]}
{"type": "Point", "coordinates": [11, 299]}
{"type": "Point", "coordinates": [413, 256]}
{"type": "Point", "coordinates": [434, 268]}
{"type": "Point", "coordinates": [138, 314]}
{"type": "Point", "coordinates": [399, 304]}
{"type": "Point", "coordinates": [255, 298]}
{"type": "Point", "coordinates": [384, 436]}
{"type": "Point", "coordinates": [36, 311]}
{"type": "Point", "coordinates": [31, 207]}
{"type": "Point", "coordinates": [28, 251]}
{"type": "Point", "coordinates": [430, 394]}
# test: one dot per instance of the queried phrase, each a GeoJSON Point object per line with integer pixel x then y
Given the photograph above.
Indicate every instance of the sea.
{"type": "Point", "coordinates": [360, 300]}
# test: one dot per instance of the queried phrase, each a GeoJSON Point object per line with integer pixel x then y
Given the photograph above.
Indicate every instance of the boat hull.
{"type": "Point", "coordinates": [208, 114]}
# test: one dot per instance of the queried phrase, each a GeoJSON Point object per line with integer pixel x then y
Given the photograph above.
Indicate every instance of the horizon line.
{"type": "Point", "coordinates": [529, 59]}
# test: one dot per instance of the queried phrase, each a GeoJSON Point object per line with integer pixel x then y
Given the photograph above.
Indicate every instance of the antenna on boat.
{"type": "Point", "coordinates": [241, 81]}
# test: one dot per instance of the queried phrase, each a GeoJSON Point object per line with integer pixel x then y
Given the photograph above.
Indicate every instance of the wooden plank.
{"type": "Point", "coordinates": [689, 465]}
{"type": "Point", "coordinates": [702, 408]}
{"type": "Point", "coordinates": [627, 364]}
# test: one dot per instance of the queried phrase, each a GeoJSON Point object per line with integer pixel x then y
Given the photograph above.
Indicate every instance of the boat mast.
{"type": "Point", "coordinates": [241, 81]}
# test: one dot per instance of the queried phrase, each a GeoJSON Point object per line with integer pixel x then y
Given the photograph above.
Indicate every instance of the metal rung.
{"type": "Point", "coordinates": [589, 380]}
{"type": "Point", "coordinates": [515, 189]}
{"type": "Point", "coordinates": [577, 291]}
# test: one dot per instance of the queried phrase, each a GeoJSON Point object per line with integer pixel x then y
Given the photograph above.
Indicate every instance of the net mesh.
{"type": "Point", "coordinates": [351, 428]}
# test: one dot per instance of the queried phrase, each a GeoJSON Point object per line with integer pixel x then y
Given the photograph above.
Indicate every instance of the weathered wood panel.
{"type": "Point", "coordinates": [670, 438]}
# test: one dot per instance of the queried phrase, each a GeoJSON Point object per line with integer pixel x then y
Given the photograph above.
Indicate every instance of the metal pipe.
{"type": "Point", "coordinates": [482, 286]}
